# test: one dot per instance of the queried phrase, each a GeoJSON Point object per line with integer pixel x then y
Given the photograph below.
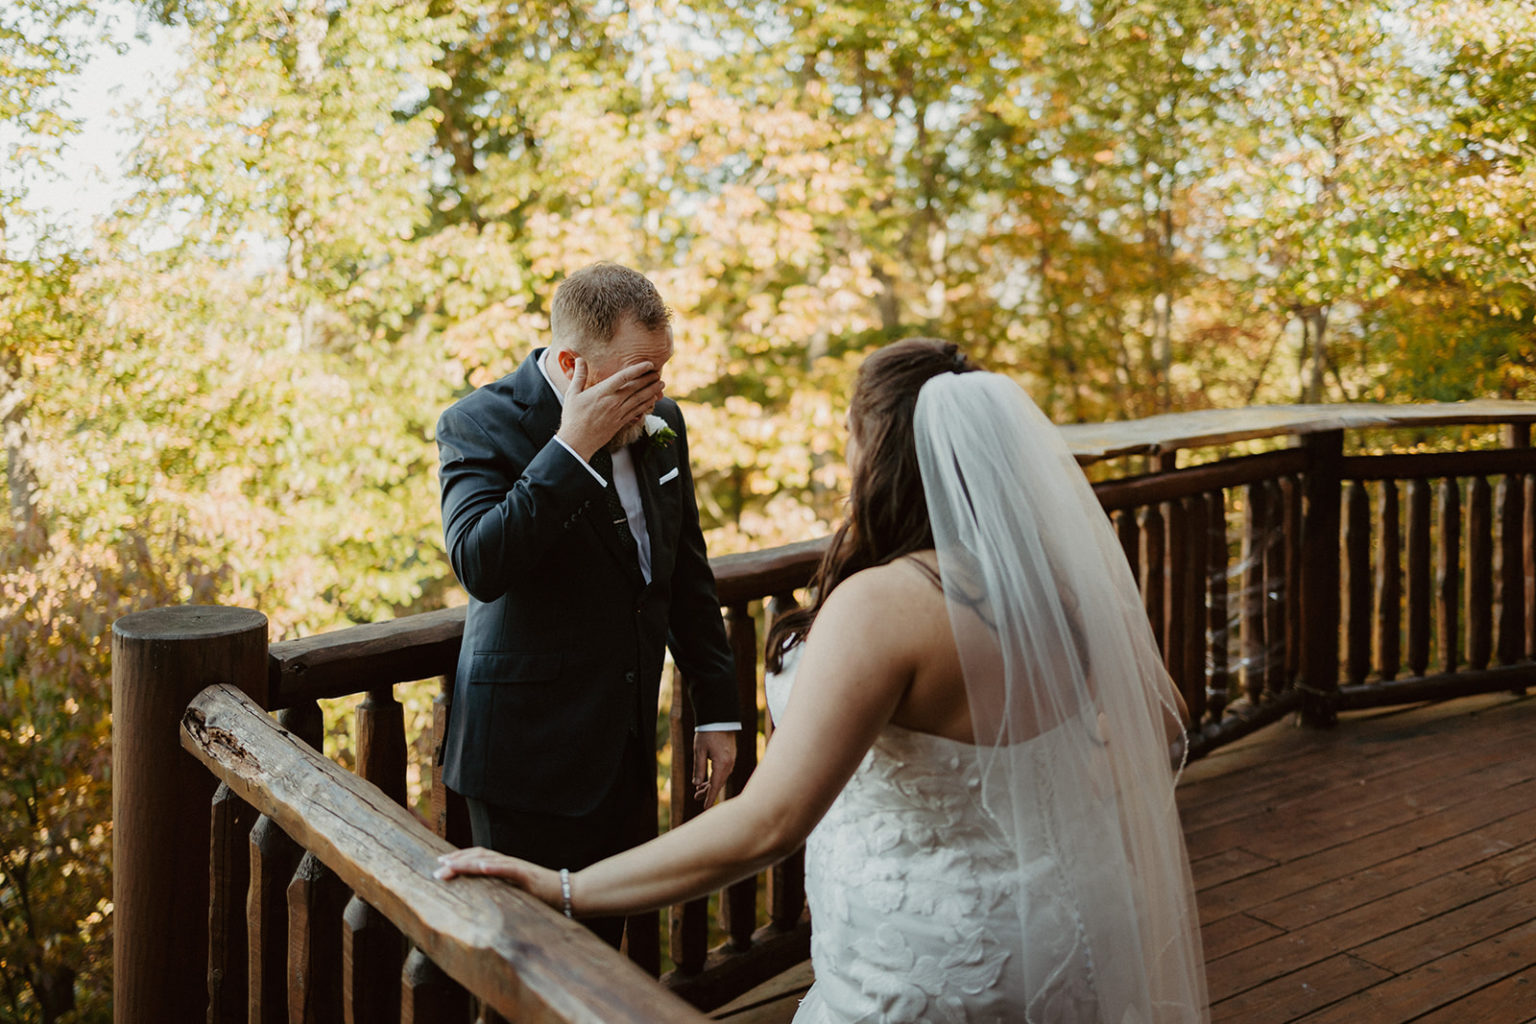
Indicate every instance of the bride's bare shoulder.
{"type": "Point", "coordinates": [910, 583]}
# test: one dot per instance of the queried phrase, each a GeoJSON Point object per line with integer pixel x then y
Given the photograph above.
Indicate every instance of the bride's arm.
{"type": "Point", "coordinates": [852, 673]}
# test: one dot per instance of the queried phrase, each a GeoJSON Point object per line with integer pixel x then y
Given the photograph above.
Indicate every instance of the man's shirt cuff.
{"type": "Point", "coordinates": [719, 727]}
{"type": "Point", "coordinates": [584, 463]}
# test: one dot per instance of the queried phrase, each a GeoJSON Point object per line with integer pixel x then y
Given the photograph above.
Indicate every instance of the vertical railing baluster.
{"type": "Point", "coordinates": [1154, 583]}
{"type": "Point", "coordinates": [373, 954]}
{"type": "Point", "coordinates": [1420, 592]}
{"type": "Point", "coordinates": [688, 923]}
{"type": "Point", "coordinates": [1255, 537]}
{"type": "Point", "coordinates": [1192, 567]}
{"type": "Point", "coordinates": [372, 949]}
{"type": "Point", "coordinates": [1276, 678]}
{"type": "Point", "coordinates": [1528, 542]}
{"type": "Point", "coordinates": [450, 815]}
{"type": "Point", "coordinates": [1357, 582]}
{"type": "Point", "coordinates": [1217, 692]}
{"type": "Point", "coordinates": [229, 879]}
{"type": "Point", "coordinates": [738, 904]}
{"type": "Point", "coordinates": [1290, 530]}
{"type": "Point", "coordinates": [786, 879]}
{"type": "Point", "coordinates": [1389, 586]}
{"type": "Point", "coordinates": [1510, 597]}
{"type": "Point", "coordinates": [380, 722]}
{"type": "Point", "coordinates": [1174, 611]}
{"type": "Point", "coordinates": [428, 996]}
{"type": "Point", "coordinates": [1130, 539]}
{"type": "Point", "coordinates": [1448, 575]}
{"type": "Point", "coordinates": [274, 858]}
{"type": "Point", "coordinates": [1479, 573]}
{"type": "Point", "coordinates": [316, 901]}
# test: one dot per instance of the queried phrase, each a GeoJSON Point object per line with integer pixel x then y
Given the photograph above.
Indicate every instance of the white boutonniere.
{"type": "Point", "coordinates": [657, 430]}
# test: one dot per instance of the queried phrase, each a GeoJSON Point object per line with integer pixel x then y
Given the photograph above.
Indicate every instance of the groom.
{"type": "Point", "coordinates": [570, 518]}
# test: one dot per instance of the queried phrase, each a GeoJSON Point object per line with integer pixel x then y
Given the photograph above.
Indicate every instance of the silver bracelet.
{"type": "Point", "coordinates": [565, 891]}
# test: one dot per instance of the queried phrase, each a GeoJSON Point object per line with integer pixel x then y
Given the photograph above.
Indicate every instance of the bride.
{"type": "Point", "coordinates": [972, 739]}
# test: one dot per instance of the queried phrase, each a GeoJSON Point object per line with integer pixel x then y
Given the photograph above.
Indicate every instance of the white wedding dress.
{"type": "Point", "coordinates": [912, 887]}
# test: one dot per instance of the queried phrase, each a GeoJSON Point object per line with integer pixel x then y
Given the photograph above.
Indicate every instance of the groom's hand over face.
{"type": "Point", "coordinates": [595, 411]}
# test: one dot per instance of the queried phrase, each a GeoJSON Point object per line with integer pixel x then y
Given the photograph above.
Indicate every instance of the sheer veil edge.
{"type": "Point", "coordinates": [1071, 707]}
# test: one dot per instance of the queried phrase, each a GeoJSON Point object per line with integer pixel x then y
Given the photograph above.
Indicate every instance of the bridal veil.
{"type": "Point", "coordinates": [1072, 709]}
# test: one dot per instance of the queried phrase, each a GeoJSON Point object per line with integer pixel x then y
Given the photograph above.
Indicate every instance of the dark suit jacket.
{"type": "Point", "coordinates": [563, 640]}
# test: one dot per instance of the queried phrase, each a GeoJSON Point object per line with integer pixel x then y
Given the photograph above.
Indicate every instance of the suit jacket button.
{"type": "Point", "coordinates": [629, 677]}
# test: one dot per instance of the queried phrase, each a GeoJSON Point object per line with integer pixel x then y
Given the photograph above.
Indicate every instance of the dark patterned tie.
{"type": "Point", "coordinates": [602, 461]}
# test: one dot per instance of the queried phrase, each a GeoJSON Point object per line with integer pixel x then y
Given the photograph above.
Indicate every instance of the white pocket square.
{"type": "Point", "coordinates": [671, 475]}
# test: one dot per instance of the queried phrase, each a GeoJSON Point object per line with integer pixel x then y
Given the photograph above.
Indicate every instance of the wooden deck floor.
{"type": "Point", "coordinates": [1380, 872]}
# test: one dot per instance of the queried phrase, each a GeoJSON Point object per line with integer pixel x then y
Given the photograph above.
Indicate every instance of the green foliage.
{"type": "Point", "coordinates": [348, 212]}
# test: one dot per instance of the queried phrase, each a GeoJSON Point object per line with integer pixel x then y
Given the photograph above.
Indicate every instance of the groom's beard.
{"type": "Point", "coordinates": [627, 436]}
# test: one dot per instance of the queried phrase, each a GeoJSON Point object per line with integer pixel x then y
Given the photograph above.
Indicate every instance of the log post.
{"type": "Point", "coordinates": [1319, 627]}
{"type": "Point", "coordinates": [161, 659]}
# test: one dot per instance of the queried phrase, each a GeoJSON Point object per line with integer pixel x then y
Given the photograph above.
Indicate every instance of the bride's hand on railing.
{"type": "Point", "coordinates": [539, 882]}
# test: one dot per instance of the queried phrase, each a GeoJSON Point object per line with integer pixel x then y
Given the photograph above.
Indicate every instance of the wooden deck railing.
{"type": "Point", "coordinates": [273, 885]}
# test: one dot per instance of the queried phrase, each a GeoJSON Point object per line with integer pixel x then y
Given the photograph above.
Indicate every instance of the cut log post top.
{"type": "Point", "coordinates": [523, 958]}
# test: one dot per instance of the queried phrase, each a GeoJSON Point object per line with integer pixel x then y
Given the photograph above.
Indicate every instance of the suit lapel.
{"type": "Point", "coordinates": [538, 404]}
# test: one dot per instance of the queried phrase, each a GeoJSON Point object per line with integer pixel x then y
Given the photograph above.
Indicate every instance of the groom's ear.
{"type": "Point", "coordinates": [567, 360]}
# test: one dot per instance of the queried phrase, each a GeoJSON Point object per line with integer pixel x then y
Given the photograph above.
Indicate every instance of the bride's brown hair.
{"type": "Point", "coordinates": [887, 513]}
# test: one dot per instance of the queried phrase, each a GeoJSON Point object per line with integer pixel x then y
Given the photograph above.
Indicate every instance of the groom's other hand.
{"type": "Point", "coordinates": [595, 412]}
{"type": "Point", "coordinates": [714, 755]}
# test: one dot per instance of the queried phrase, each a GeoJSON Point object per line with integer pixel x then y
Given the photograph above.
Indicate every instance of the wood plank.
{"type": "Point", "coordinates": [1285, 833]}
{"type": "Point", "coordinates": [773, 1002]}
{"type": "Point", "coordinates": [1291, 951]}
{"type": "Point", "coordinates": [1511, 1000]}
{"type": "Point", "coordinates": [1227, 865]}
{"type": "Point", "coordinates": [1268, 887]}
{"type": "Point", "coordinates": [1322, 769]}
{"type": "Point", "coordinates": [1293, 995]}
{"type": "Point", "coordinates": [1507, 907]}
{"type": "Point", "coordinates": [1235, 932]}
{"type": "Point", "coordinates": [1486, 838]}
{"type": "Point", "coordinates": [1439, 982]}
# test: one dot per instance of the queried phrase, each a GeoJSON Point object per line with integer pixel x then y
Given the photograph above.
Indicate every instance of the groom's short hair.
{"type": "Point", "coordinates": [590, 305]}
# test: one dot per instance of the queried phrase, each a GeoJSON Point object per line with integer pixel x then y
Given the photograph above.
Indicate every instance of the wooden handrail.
{"type": "Point", "coordinates": [523, 959]}
{"type": "Point", "coordinates": [1159, 435]}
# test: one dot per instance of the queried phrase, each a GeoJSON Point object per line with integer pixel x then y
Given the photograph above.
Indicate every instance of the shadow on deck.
{"type": "Point", "coordinates": [1380, 872]}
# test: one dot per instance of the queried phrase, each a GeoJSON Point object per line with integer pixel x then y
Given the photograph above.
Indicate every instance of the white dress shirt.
{"type": "Point", "coordinates": [628, 486]}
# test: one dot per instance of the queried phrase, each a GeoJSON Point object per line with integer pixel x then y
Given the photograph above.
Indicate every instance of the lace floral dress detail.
{"type": "Point", "coordinates": [914, 897]}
